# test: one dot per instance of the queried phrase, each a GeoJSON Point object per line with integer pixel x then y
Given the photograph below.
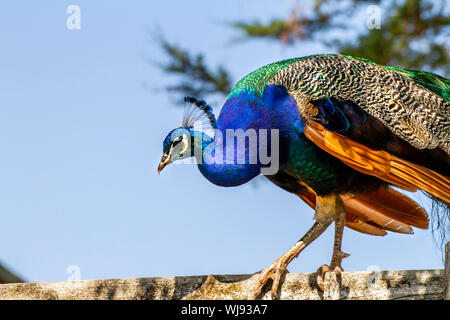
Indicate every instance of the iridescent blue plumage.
{"type": "Point", "coordinates": [274, 109]}
{"type": "Point", "coordinates": [337, 115]}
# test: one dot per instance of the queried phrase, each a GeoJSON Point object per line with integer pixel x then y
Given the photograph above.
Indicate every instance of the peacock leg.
{"type": "Point", "coordinates": [338, 255]}
{"type": "Point", "coordinates": [278, 268]}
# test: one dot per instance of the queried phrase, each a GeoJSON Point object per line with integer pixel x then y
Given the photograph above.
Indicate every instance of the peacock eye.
{"type": "Point", "coordinates": [176, 141]}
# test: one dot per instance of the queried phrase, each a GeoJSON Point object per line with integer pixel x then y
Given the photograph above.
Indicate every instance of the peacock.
{"type": "Point", "coordinates": [343, 132]}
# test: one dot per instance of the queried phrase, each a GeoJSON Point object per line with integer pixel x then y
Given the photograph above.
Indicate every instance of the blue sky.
{"type": "Point", "coordinates": [81, 136]}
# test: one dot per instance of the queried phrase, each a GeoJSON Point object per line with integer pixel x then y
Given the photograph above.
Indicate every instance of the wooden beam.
{"type": "Point", "coordinates": [366, 285]}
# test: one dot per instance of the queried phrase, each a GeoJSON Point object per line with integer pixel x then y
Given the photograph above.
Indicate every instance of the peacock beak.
{"type": "Point", "coordinates": [165, 160]}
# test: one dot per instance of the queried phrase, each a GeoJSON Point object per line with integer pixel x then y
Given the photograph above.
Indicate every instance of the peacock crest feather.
{"type": "Point", "coordinates": [198, 110]}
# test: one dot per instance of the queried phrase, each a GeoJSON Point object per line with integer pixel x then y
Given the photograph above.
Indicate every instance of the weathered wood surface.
{"type": "Point", "coordinates": [366, 285]}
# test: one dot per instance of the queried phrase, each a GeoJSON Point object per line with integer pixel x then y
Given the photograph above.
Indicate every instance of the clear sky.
{"type": "Point", "coordinates": [82, 119]}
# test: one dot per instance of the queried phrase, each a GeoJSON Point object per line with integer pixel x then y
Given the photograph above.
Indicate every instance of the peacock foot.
{"type": "Point", "coordinates": [320, 275]}
{"type": "Point", "coordinates": [335, 267]}
{"type": "Point", "coordinates": [274, 272]}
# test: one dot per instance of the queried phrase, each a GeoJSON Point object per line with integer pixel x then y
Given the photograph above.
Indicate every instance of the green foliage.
{"type": "Point", "coordinates": [287, 31]}
{"type": "Point", "coordinates": [409, 37]}
{"type": "Point", "coordinates": [197, 79]}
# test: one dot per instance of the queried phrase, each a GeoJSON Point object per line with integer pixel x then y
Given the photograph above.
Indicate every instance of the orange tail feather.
{"type": "Point", "coordinates": [404, 174]}
{"type": "Point", "coordinates": [377, 211]}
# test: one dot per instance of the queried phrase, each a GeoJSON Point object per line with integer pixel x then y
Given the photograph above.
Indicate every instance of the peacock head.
{"type": "Point", "coordinates": [180, 142]}
{"type": "Point", "coordinates": [176, 146]}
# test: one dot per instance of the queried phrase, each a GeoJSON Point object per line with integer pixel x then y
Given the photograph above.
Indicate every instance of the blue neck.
{"type": "Point", "coordinates": [220, 170]}
{"type": "Point", "coordinates": [274, 109]}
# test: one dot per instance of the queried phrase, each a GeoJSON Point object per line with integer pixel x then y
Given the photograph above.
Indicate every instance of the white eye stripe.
{"type": "Point", "coordinates": [185, 143]}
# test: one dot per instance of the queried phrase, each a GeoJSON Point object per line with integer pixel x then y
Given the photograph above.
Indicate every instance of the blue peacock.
{"type": "Point", "coordinates": [347, 131]}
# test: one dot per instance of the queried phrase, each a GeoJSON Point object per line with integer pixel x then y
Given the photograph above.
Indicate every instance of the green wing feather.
{"type": "Point", "coordinates": [431, 81]}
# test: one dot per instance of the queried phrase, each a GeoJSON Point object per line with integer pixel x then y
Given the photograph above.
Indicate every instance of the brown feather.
{"type": "Point", "coordinates": [399, 172]}
{"type": "Point", "coordinates": [372, 213]}
{"type": "Point", "coordinates": [376, 211]}
{"type": "Point", "coordinates": [396, 205]}
{"type": "Point", "coordinates": [355, 223]}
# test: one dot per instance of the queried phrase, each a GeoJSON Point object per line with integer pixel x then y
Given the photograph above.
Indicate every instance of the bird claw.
{"type": "Point", "coordinates": [321, 272]}
{"type": "Point", "coordinates": [274, 272]}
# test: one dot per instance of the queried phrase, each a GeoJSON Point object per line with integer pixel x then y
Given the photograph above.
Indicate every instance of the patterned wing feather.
{"type": "Point", "coordinates": [412, 104]}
